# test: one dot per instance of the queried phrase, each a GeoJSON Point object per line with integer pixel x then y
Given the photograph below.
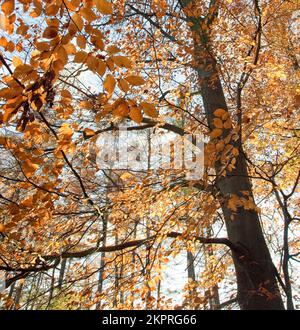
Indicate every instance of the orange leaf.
{"type": "Point", "coordinates": [29, 167]}
{"type": "Point", "coordinates": [123, 84]}
{"type": "Point", "coordinates": [88, 14]}
{"type": "Point", "coordinates": [76, 18]}
{"type": "Point", "coordinates": [80, 57]}
{"type": "Point", "coordinates": [8, 7]}
{"type": "Point", "coordinates": [136, 115]}
{"type": "Point", "coordinates": [149, 109]}
{"type": "Point", "coordinates": [219, 112]}
{"type": "Point", "coordinates": [66, 94]}
{"type": "Point", "coordinates": [89, 132]}
{"type": "Point", "coordinates": [216, 133]}
{"type": "Point", "coordinates": [122, 61]}
{"type": "Point", "coordinates": [218, 123]}
{"type": "Point", "coordinates": [135, 80]}
{"type": "Point", "coordinates": [104, 7]}
{"type": "Point", "coordinates": [50, 32]}
{"type": "Point", "coordinates": [109, 84]}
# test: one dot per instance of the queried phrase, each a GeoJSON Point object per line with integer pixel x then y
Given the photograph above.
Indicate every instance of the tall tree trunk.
{"type": "Point", "coordinates": [256, 281]}
{"type": "Point", "coordinates": [214, 298]}
{"type": "Point", "coordinates": [62, 273]}
{"type": "Point", "coordinates": [18, 295]}
{"type": "Point", "coordinates": [51, 291]}
{"type": "Point", "coordinates": [34, 299]}
{"type": "Point", "coordinates": [102, 261]}
{"type": "Point", "coordinates": [191, 280]}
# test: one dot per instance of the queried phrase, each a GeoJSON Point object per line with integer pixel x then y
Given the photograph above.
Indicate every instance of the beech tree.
{"type": "Point", "coordinates": [77, 235]}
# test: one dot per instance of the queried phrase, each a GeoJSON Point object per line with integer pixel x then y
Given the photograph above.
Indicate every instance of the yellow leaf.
{"type": "Point", "coordinates": [73, 4]}
{"type": "Point", "coordinates": [104, 7]}
{"type": "Point", "coordinates": [51, 10]}
{"type": "Point", "coordinates": [16, 61]}
{"type": "Point", "coordinates": [3, 22]}
{"type": "Point", "coordinates": [92, 63]}
{"type": "Point", "coordinates": [219, 112]}
{"type": "Point", "coordinates": [220, 145]}
{"type": "Point", "coordinates": [135, 80]}
{"type": "Point", "coordinates": [109, 84]}
{"type": "Point", "coordinates": [126, 176]}
{"type": "Point", "coordinates": [149, 109]}
{"type": "Point", "coordinates": [66, 131]}
{"type": "Point", "coordinates": [9, 93]}
{"type": "Point", "coordinates": [62, 55]}
{"type": "Point", "coordinates": [136, 114]}
{"type": "Point", "coordinates": [97, 41]}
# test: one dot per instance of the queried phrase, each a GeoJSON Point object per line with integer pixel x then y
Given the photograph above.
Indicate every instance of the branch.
{"type": "Point", "coordinates": [148, 18]}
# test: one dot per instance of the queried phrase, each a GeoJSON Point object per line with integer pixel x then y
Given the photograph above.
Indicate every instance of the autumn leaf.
{"type": "Point", "coordinates": [104, 7]}
{"type": "Point", "coordinates": [81, 41]}
{"type": "Point", "coordinates": [123, 84]}
{"type": "Point", "coordinates": [217, 132]}
{"type": "Point", "coordinates": [2, 228]}
{"type": "Point", "coordinates": [29, 167]}
{"type": "Point", "coordinates": [109, 84]}
{"type": "Point", "coordinates": [122, 110]}
{"type": "Point", "coordinates": [88, 14]}
{"type": "Point", "coordinates": [66, 94]}
{"type": "Point", "coordinates": [77, 19]}
{"type": "Point", "coordinates": [50, 32]}
{"type": "Point", "coordinates": [135, 80]}
{"type": "Point", "coordinates": [8, 7]}
{"type": "Point", "coordinates": [136, 115]}
{"type": "Point", "coordinates": [122, 61]}
{"type": "Point", "coordinates": [219, 112]}
{"type": "Point", "coordinates": [88, 132]}
{"type": "Point", "coordinates": [149, 109]}
{"type": "Point", "coordinates": [80, 57]}
{"type": "Point", "coordinates": [218, 123]}
{"type": "Point", "coordinates": [113, 49]}
{"type": "Point", "coordinates": [65, 131]}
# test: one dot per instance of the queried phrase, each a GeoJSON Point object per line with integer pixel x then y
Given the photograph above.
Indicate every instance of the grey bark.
{"type": "Point", "coordinates": [256, 281]}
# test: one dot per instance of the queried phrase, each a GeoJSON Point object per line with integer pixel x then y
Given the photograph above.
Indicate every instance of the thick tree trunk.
{"type": "Point", "coordinates": [256, 281]}
{"type": "Point", "coordinates": [62, 273]}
